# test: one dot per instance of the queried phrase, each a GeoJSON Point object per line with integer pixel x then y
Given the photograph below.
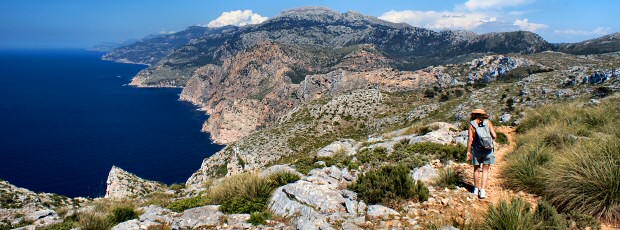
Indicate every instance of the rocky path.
{"type": "Point", "coordinates": [495, 191]}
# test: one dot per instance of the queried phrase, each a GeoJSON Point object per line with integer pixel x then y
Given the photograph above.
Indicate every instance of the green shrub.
{"type": "Point", "coordinates": [5, 226]}
{"type": "Point", "coordinates": [65, 225]}
{"type": "Point", "coordinates": [375, 155]}
{"type": "Point", "coordinates": [586, 180]}
{"type": "Point", "coordinates": [412, 155]}
{"type": "Point", "coordinates": [187, 203]}
{"type": "Point", "coordinates": [122, 214]}
{"type": "Point", "coordinates": [387, 184]}
{"type": "Point", "coordinates": [582, 221]}
{"type": "Point", "coordinates": [450, 178]}
{"type": "Point", "coordinates": [305, 163]}
{"type": "Point", "coordinates": [258, 218]}
{"type": "Point", "coordinates": [240, 204]}
{"type": "Point", "coordinates": [547, 217]}
{"type": "Point", "coordinates": [524, 169]}
{"type": "Point", "coordinates": [177, 187]}
{"type": "Point", "coordinates": [502, 138]}
{"type": "Point", "coordinates": [244, 193]}
{"type": "Point", "coordinates": [516, 215]}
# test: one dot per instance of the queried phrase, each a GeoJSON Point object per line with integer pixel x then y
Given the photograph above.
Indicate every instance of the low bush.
{"type": "Point", "coordinates": [388, 184]}
{"type": "Point", "coordinates": [583, 221]}
{"type": "Point", "coordinates": [258, 218]}
{"type": "Point", "coordinates": [547, 217]}
{"type": "Point", "coordinates": [122, 214]}
{"type": "Point", "coordinates": [450, 178]}
{"type": "Point", "coordinates": [65, 225]}
{"type": "Point", "coordinates": [502, 138]}
{"type": "Point", "coordinates": [244, 193]}
{"type": "Point", "coordinates": [177, 187]}
{"type": "Point", "coordinates": [412, 155]}
{"type": "Point", "coordinates": [513, 215]}
{"type": "Point", "coordinates": [187, 203]}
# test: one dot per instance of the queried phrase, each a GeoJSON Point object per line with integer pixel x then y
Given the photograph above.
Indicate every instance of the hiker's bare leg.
{"type": "Point", "coordinates": [477, 170]}
{"type": "Point", "coordinates": [485, 175]}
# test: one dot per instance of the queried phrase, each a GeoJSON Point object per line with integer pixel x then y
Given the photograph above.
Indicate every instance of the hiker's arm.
{"type": "Point", "coordinates": [470, 140]}
{"type": "Point", "coordinates": [492, 128]}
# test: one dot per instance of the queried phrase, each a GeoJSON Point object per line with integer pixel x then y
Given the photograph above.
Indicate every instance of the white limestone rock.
{"type": "Point", "coordinates": [346, 145]}
{"type": "Point", "coordinates": [43, 218]}
{"type": "Point", "coordinates": [122, 184]}
{"type": "Point", "coordinates": [425, 173]}
{"type": "Point", "coordinates": [200, 217]}
{"type": "Point", "coordinates": [381, 212]}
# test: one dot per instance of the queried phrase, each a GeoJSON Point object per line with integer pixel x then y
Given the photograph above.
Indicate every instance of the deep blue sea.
{"type": "Point", "coordinates": [66, 118]}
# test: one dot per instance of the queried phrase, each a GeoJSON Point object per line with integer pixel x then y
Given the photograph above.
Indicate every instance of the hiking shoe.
{"type": "Point", "coordinates": [483, 194]}
{"type": "Point", "coordinates": [476, 191]}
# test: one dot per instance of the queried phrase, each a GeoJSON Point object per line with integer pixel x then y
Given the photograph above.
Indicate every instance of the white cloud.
{"type": "Point", "coordinates": [497, 4]}
{"type": "Point", "coordinates": [439, 20]}
{"type": "Point", "coordinates": [237, 18]}
{"type": "Point", "coordinates": [167, 32]}
{"type": "Point", "coordinates": [529, 26]}
{"type": "Point", "coordinates": [598, 31]}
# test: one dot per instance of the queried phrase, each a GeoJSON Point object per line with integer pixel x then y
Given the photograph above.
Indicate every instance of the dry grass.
{"type": "Point", "coordinates": [570, 154]}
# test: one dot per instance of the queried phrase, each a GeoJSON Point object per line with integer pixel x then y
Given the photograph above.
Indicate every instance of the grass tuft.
{"type": "Point", "coordinates": [450, 178]}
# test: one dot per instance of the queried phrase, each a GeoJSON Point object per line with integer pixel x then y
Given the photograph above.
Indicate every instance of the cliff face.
{"type": "Point", "coordinates": [257, 86]}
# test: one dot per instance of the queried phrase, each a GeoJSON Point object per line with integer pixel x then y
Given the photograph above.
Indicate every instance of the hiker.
{"type": "Point", "coordinates": [480, 149]}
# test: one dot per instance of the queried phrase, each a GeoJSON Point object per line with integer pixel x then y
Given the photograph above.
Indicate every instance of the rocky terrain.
{"type": "Point", "coordinates": [310, 101]}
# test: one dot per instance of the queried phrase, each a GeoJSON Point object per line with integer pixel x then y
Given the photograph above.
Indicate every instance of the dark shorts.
{"type": "Point", "coordinates": [483, 157]}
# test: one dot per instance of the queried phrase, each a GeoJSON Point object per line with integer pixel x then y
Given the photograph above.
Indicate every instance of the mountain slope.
{"type": "Point", "coordinates": [410, 47]}
{"type": "Point", "coordinates": [605, 44]}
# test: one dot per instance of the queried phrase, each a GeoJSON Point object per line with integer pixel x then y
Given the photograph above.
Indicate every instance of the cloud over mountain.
{"type": "Point", "coordinates": [529, 26]}
{"type": "Point", "coordinates": [489, 4]}
{"type": "Point", "coordinates": [237, 18]}
{"type": "Point", "coordinates": [438, 20]}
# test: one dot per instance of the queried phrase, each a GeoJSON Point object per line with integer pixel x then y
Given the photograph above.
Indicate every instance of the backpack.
{"type": "Point", "coordinates": [484, 140]}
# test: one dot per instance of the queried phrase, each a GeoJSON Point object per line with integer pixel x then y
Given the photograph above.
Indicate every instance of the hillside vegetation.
{"type": "Point", "coordinates": [570, 155]}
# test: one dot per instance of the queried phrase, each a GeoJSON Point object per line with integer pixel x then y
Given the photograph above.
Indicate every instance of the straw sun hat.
{"type": "Point", "coordinates": [480, 111]}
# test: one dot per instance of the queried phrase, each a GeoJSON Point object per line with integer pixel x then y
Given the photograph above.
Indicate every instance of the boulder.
{"type": "Point", "coordinates": [425, 173]}
{"type": "Point", "coordinates": [505, 118]}
{"type": "Point", "coordinates": [381, 212]}
{"type": "Point", "coordinates": [43, 218]}
{"type": "Point", "coordinates": [158, 214]}
{"type": "Point", "coordinates": [200, 217]}
{"type": "Point", "coordinates": [347, 146]}
{"type": "Point", "coordinates": [318, 201]}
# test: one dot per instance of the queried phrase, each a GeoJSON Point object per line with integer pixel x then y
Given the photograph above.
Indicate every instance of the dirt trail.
{"type": "Point", "coordinates": [495, 191]}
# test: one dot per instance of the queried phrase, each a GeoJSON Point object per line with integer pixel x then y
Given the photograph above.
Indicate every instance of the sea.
{"type": "Point", "coordinates": [66, 117]}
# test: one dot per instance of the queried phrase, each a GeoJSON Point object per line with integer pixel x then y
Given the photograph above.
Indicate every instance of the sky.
{"type": "Point", "coordinates": [84, 23]}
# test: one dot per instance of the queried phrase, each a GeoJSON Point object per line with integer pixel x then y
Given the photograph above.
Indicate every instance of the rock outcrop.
{"type": "Point", "coordinates": [22, 207]}
{"type": "Point", "coordinates": [122, 184]}
{"type": "Point", "coordinates": [318, 201]}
